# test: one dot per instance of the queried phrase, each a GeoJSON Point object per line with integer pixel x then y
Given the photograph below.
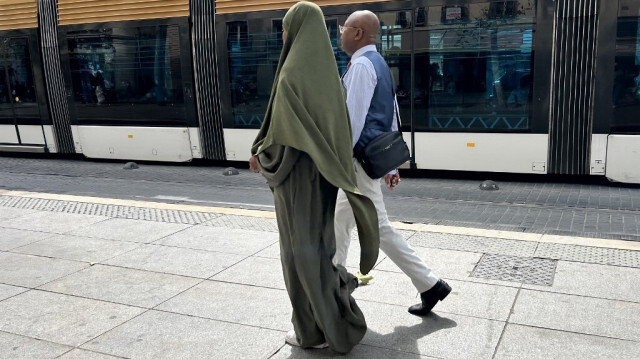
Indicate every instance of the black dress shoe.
{"type": "Point", "coordinates": [430, 298]}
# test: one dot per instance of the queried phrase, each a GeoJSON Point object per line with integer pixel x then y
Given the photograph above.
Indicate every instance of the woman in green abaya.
{"type": "Point", "coordinates": [304, 151]}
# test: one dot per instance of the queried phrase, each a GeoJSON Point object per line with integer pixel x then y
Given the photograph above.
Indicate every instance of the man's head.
{"type": "Point", "coordinates": [360, 29]}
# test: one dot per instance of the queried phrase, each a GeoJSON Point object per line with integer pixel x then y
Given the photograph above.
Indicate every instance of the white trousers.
{"type": "Point", "coordinates": [391, 242]}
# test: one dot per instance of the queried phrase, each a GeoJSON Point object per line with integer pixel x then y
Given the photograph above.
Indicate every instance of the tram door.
{"type": "Point", "coordinates": [572, 85]}
{"type": "Point", "coordinates": [20, 123]}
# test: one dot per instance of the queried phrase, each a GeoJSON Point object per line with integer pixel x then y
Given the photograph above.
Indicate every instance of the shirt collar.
{"type": "Point", "coordinates": [362, 50]}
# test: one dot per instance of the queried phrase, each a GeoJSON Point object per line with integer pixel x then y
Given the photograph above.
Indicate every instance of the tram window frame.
{"type": "Point", "coordinates": [177, 109]}
{"type": "Point", "coordinates": [626, 88]}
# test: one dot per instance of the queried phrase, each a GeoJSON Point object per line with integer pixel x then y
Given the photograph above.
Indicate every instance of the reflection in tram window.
{"type": "Point", "coordinates": [17, 87]}
{"type": "Point", "coordinates": [253, 60]}
{"type": "Point", "coordinates": [395, 47]}
{"type": "Point", "coordinates": [626, 88]}
{"type": "Point", "coordinates": [473, 67]}
{"type": "Point", "coordinates": [127, 76]}
{"type": "Point", "coordinates": [253, 49]}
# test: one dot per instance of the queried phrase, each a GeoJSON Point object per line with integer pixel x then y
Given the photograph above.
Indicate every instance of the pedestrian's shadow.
{"type": "Point", "coordinates": [401, 341]}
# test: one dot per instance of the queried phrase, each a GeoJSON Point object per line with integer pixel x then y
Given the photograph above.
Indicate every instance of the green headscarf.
{"type": "Point", "coordinates": [307, 111]}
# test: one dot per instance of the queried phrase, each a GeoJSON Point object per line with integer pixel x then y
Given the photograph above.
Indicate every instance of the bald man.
{"type": "Point", "coordinates": [372, 109]}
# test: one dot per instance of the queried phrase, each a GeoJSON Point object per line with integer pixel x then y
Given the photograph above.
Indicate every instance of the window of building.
{"type": "Point", "coordinates": [127, 76]}
{"type": "Point", "coordinates": [626, 88]}
{"type": "Point", "coordinates": [474, 67]}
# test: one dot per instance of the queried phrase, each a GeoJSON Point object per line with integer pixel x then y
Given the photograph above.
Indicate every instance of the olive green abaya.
{"type": "Point", "coordinates": [304, 151]}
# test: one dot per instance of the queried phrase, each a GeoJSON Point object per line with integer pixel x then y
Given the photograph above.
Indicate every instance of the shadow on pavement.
{"type": "Point", "coordinates": [399, 343]}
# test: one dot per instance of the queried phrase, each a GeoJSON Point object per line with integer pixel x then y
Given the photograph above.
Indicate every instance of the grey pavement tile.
{"type": "Point", "coordinates": [273, 251]}
{"type": "Point", "coordinates": [51, 222]}
{"type": "Point", "coordinates": [8, 291]}
{"type": "Point", "coordinates": [595, 280]}
{"type": "Point", "coordinates": [13, 238]}
{"type": "Point", "coordinates": [445, 263]}
{"type": "Point", "coordinates": [466, 298]}
{"type": "Point", "coordinates": [179, 261]}
{"type": "Point", "coordinates": [61, 318]}
{"type": "Point", "coordinates": [261, 272]}
{"type": "Point", "coordinates": [235, 303]}
{"type": "Point", "coordinates": [122, 285]}
{"type": "Point", "coordinates": [167, 335]}
{"type": "Point", "coordinates": [77, 248]}
{"type": "Point", "coordinates": [361, 351]}
{"type": "Point", "coordinates": [19, 347]}
{"type": "Point", "coordinates": [538, 343]}
{"type": "Point", "coordinates": [129, 230]}
{"type": "Point", "coordinates": [31, 271]}
{"type": "Point", "coordinates": [85, 354]}
{"type": "Point", "coordinates": [8, 212]}
{"type": "Point", "coordinates": [244, 222]}
{"type": "Point", "coordinates": [439, 334]}
{"type": "Point", "coordinates": [218, 239]}
{"type": "Point", "coordinates": [603, 317]}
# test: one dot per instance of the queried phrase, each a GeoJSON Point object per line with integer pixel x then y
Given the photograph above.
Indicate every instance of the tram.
{"type": "Point", "coordinates": [515, 86]}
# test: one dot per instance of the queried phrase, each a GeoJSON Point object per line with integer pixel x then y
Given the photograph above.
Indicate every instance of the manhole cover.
{"type": "Point", "coordinates": [516, 269]}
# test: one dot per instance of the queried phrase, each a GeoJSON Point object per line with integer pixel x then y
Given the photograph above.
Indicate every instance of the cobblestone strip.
{"type": "Point", "coordinates": [474, 244]}
{"type": "Point", "coordinates": [115, 211]}
{"type": "Point", "coordinates": [584, 254]}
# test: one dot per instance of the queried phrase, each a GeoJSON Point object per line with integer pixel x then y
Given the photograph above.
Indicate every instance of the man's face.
{"type": "Point", "coordinates": [347, 37]}
{"type": "Point", "coordinates": [284, 35]}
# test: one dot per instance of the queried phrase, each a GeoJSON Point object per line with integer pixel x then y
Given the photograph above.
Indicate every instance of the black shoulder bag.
{"type": "Point", "coordinates": [386, 152]}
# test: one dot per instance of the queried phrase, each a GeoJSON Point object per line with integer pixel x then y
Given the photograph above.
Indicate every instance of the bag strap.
{"type": "Point", "coordinates": [395, 102]}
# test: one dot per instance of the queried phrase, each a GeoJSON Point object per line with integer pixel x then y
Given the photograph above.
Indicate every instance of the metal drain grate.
{"type": "Point", "coordinates": [107, 210]}
{"type": "Point", "coordinates": [516, 269]}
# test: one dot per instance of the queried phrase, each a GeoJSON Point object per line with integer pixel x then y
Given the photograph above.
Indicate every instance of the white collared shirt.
{"type": "Point", "coordinates": [359, 83]}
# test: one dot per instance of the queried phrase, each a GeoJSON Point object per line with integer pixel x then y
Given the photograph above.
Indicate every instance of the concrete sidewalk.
{"type": "Point", "coordinates": [100, 278]}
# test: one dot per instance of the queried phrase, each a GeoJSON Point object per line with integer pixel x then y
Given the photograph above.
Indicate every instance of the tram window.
{"type": "Point", "coordinates": [254, 50]}
{"type": "Point", "coordinates": [474, 67]}
{"type": "Point", "coordinates": [17, 87]}
{"type": "Point", "coordinates": [127, 76]}
{"type": "Point", "coordinates": [626, 88]}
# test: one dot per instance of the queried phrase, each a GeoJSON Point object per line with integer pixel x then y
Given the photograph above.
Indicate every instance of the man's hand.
{"type": "Point", "coordinates": [392, 180]}
{"type": "Point", "coordinates": [253, 164]}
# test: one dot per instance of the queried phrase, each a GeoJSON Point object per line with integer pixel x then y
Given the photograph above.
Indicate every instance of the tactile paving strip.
{"type": "Point", "coordinates": [576, 253]}
{"type": "Point", "coordinates": [107, 210]}
{"type": "Point", "coordinates": [242, 222]}
{"type": "Point", "coordinates": [474, 244]}
{"type": "Point", "coordinates": [516, 269]}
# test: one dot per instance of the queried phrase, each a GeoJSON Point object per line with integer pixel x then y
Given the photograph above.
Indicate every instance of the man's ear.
{"type": "Point", "coordinates": [359, 34]}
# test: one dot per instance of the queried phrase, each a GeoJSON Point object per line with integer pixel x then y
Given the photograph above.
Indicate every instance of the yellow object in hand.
{"type": "Point", "coordinates": [365, 279]}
